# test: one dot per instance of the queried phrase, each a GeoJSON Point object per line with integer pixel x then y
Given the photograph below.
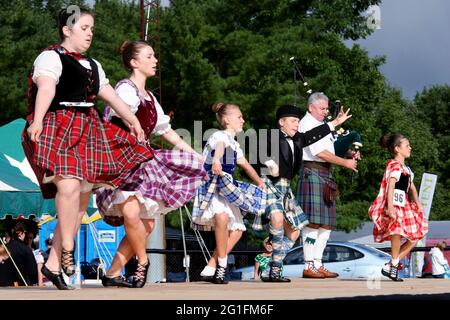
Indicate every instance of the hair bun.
{"type": "Point", "coordinates": [384, 140]}
{"type": "Point", "coordinates": [217, 106]}
{"type": "Point", "coordinates": [124, 46]}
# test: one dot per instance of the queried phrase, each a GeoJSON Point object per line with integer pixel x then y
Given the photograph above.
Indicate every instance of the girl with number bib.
{"type": "Point", "coordinates": [397, 212]}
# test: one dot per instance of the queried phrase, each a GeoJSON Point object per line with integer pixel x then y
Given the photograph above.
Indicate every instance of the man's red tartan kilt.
{"type": "Point", "coordinates": [75, 142]}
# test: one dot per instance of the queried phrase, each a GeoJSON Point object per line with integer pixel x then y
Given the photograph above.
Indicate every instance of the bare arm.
{"type": "Point", "coordinates": [46, 92]}
{"type": "Point", "coordinates": [110, 96]}
{"type": "Point", "coordinates": [327, 156]}
{"type": "Point", "coordinates": [251, 172]}
{"type": "Point", "coordinates": [173, 138]}
{"type": "Point", "coordinates": [390, 211]}
{"type": "Point", "coordinates": [218, 154]}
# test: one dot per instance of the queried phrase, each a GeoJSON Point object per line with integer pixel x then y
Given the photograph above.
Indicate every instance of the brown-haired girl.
{"type": "Point", "coordinates": [165, 183]}
{"type": "Point", "coordinates": [397, 212]}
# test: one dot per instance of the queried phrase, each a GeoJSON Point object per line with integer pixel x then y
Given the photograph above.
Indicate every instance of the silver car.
{"type": "Point", "coordinates": [348, 259]}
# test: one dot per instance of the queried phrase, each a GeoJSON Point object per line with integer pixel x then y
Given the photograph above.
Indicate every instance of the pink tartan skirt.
{"type": "Point", "coordinates": [75, 142]}
{"type": "Point", "coordinates": [161, 185]}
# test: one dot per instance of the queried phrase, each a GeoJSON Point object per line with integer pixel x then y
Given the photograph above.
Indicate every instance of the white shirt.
{"type": "Point", "coordinates": [437, 261]}
{"type": "Point", "coordinates": [310, 152]}
{"type": "Point", "coordinates": [49, 64]}
{"type": "Point", "coordinates": [290, 143]}
{"type": "Point", "coordinates": [129, 95]}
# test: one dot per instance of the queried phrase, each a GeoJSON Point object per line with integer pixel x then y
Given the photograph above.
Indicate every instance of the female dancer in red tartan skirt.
{"type": "Point", "coordinates": [159, 186]}
{"type": "Point", "coordinates": [65, 140]}
{"type": "Point", "coordinates": [394, 215]}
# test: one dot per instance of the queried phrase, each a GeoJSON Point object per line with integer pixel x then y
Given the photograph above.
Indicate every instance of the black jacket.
{"type": "Point", "coordinates": [24, 258]}
{"type": "Point", "coordinates": [289, 169]}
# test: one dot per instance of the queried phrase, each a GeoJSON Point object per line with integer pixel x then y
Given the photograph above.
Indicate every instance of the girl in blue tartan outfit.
{"type": "Point", "coordinates": [219, 202]}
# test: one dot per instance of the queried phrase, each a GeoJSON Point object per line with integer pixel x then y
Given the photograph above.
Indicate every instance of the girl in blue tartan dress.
{"type": "Point", "coordinates": [219, 202]}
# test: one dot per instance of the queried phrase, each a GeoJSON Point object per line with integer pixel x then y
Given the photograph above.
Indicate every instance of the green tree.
{"type": "Point", "coordinates": [239, 51]}
{"type": "Point", "coordinates": [234, 51]}
{"type": "Point", "coordinates": [433, 108]}
{"type": "Point", "coordinates": [25, 29]}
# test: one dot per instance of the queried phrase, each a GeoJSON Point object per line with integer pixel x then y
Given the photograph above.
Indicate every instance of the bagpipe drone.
{"type": "Point", "coordinates": [347, 142]}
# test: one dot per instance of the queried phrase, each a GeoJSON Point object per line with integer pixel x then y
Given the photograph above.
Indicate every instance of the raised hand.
{"type": "Point", "coordinates": [343, 116]}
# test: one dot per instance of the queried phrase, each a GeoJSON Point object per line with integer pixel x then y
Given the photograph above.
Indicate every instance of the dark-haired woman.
{"type": "Point", "coordinates": [165, 183]}
{"type": "Point", "coordinates": [397, 212]}
{"type": "Point", "coordinates": [65, 140]}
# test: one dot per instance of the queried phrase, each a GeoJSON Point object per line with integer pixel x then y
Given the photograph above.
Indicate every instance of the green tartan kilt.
{"type": "Point", "coordinates": [310, 196]}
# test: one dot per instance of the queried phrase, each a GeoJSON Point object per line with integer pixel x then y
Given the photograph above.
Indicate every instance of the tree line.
{"type": "Point", "coordinates": [217, 50]}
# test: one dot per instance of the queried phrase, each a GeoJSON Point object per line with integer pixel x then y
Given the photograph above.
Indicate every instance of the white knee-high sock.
{"type": "Point", "coordinates": [319, 247]}
{"type": "Point", "coordinates": [222, 261]}
{"type": "Point", "coordinates": [309, 236]}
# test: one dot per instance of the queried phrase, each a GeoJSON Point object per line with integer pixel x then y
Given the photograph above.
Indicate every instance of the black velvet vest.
{"type": "Point", "coordinates": [76, 83]}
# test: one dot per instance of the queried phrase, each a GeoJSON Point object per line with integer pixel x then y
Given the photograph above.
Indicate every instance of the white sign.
{"type": "Point", "coordinates": [426, 193]}
{"type": "Point", "coordinates": [106, 236]}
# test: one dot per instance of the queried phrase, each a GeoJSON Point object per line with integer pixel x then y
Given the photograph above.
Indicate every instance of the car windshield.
{"type": "Point", "coordinates": [374, 251]}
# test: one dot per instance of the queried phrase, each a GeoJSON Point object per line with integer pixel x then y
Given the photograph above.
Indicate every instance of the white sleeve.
{"type": "Point", "coordinates": [440, 258]}
{"type": "Point", "coordinates": [128, 94]}
{"type": "Point", "coordinates": [163, 122]}
{"type": "Point", "coordinates": [216, 137]}
{"type": "Point", "coordinates": [239, 152]}
{"type": "Point", "coordinates": [319, 146]}
{"type": "Point", "coordinates": [47, 64]}
{"type": "Point", "coordinates": [396, 174]}
{"type": "Point", "coordinates": [101, 75]}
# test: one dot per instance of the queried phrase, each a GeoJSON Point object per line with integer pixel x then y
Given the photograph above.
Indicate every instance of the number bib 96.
{"type": "Point", "coordinates": [399, 198]}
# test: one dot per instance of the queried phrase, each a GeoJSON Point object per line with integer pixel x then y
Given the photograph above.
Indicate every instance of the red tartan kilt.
{"type": "Point", "coordinates": [75, 142]}
{"type": "Point", "coordinates": [48, 189]}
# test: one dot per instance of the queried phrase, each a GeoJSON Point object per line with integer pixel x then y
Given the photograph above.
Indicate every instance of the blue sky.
{"type": "Point", "coordinates": [414, 37]}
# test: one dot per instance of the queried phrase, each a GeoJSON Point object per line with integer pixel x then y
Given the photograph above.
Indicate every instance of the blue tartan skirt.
{"type": "Point", "coordinates": [237, 199]}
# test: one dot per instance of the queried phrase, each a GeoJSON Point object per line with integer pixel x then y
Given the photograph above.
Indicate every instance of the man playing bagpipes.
{"type": "Point", "coordinates": [316, 190]}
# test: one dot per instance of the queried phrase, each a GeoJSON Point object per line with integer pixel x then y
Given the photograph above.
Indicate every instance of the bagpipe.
{"type": "Point", "coordinates": [347, 142]}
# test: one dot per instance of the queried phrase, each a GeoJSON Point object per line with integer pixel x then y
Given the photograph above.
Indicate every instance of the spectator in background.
{"type": "Point", "coordinates": [48, 244]}
{"type": "Point", "coordinates": [23, 258]}
{"type": "Point", "coordinates": [262, 260]}
{"type": "Point", "coordinates": [31, 231]}
{"type": "Point", "coordinates": [438, 262]}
